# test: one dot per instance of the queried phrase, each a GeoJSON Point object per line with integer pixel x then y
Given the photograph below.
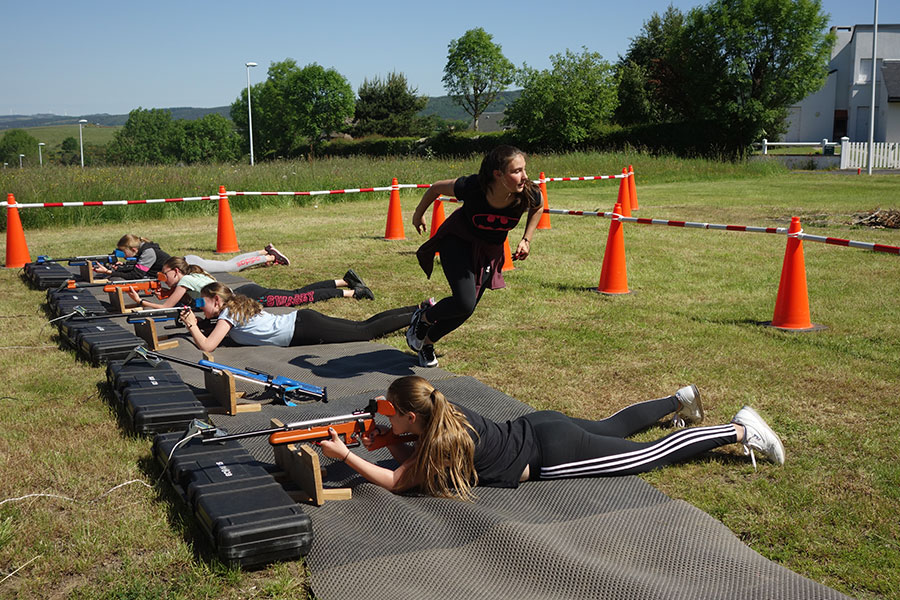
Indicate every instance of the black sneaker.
{"type": "Point", "coordinates": [412, 339]}
{"type": "Point", "coordinates": [427, 357]}
{"type": "Point", "coordinates": [353, 280]}
{"type": "Point", "coordinates": [280, 258]}
{"type": "Point", "coordinates": [363, 293]}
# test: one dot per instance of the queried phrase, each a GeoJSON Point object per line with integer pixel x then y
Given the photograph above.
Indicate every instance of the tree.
{"type": "Point", "coordinates": [748, 60]}
{"type": "Point", "coordinates": [389, 108]}
{"type": "Point", "coordinates": [562, 106]}
{"type": "Point", "coordinates": [14, 143]}
{"type": "Point", "coordinates": [295, 108]}
{"type": "Point", "coordinates": [476, 71]}
{"type": "Point", "coordinates": [650, 87]}
{"type": "Point", "coordinates": [209, 139]}
{"type": "Point", "coordinates": [149, 137]}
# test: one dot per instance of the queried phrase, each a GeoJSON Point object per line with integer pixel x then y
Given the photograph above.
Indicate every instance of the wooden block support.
{"type": "Point", "coordinates": [121, 302]}
{"type": "Point", "coordinates": [146, 330]}
{"type": "Point", "coordinates": [302, 466]}
{"type": "Point", "coordinates": [221, 386]}
{"type": "Point", "coordinates": [87, 274]}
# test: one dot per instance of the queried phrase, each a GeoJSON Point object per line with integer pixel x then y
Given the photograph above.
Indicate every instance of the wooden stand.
{"type": "Point", "coordinates": [120, 301]}
{"type": "Point", "coordinates": [87, 274]}
{"type": "Point", "coordinates": [220, 386]}
{"type": "Point", "coordinates": [146, 330]}
{"type": "Point", "coordinates": [301, 465]}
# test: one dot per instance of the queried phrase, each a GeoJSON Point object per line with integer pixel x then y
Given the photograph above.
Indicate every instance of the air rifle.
{"type": "Point", "coordinates": [350, 427]}
{"type": "Point", "coordinates": [79, 313]}
{"type": "Point", "coordinates": [76, 261]}
{"type": "Point", "coordinates": [72, 284]}
{"type": "Point", "coordinates": [288, 390]}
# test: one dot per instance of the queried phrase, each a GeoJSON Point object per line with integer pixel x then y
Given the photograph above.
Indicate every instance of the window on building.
{"type": "Point", "coordinates": [865, 70]}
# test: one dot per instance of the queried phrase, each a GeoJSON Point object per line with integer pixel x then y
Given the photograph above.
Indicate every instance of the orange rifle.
{"type": "Point", "coordinates": [350, 427]}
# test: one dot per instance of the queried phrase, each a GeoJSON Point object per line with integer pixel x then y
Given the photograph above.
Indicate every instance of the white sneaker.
{"type": "Point", "coordinates": [427, 357]}
{"type": "Point", "coordinates": [759, 436]}
{"type": "Point", "coordinates": [691, 411]}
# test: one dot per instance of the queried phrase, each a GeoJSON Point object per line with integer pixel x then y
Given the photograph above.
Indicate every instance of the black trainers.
{"type": "Point", "coordinates": [353, 280]}
{"type": "Point", "coordinates": [363, 293]}
{"type": "Point", "coordinates": [427, 357]}
{"type": "Point", "coordinates": [412, 339]}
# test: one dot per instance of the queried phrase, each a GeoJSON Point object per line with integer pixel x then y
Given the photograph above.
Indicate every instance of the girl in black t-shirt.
{"type": "Point", "coordinates": [471, 241]}
{"type": "Point", "coordinates": [457, 449]}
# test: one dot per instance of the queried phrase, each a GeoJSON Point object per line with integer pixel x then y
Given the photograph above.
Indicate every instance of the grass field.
{"type": "Point", "coordinates": [830, 514]}
{"type": "Point", "coordinates": [53, 135]}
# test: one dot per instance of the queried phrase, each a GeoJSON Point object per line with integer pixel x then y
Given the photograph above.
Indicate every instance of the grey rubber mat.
{"type": "Point", "coordinates": [610, 538]}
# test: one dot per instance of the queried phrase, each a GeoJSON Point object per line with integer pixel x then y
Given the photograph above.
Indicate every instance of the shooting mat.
{"type": "Point", "coordinates": [615, 538]}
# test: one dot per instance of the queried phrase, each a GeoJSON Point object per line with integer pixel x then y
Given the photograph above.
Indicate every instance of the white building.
{"type": "Point", "coordinates": [841, 108]}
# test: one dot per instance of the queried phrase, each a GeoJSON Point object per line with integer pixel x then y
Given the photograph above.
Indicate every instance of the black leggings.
{"type": "Point", "coordinates": [314, 292]}
{"type": "Point", "coordinates": [315, 328]}
{"type": "Point", "coordinates": [581, 447]}
{"type": "Point", "coordinates": [457, 262]}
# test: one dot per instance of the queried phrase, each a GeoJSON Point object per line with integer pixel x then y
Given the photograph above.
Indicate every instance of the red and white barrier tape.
{"type": "Point", "coordinates": [106, 202]}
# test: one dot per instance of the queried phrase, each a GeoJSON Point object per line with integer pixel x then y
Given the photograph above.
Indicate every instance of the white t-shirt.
{"type": "Point", "coordinates": [264, 329]}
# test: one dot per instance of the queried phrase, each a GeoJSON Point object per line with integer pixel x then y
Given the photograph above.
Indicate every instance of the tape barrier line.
{"type": "Point", "coordinates": [107, 202]}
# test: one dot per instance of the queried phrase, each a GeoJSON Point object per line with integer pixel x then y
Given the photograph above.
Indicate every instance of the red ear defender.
{"type": "Point", "coordinates": [384, 407]}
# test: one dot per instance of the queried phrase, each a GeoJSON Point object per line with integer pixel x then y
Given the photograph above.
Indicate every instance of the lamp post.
{"type": "Point", "coordinates": [81, 140]}
{"type": "Point", "coordinates": [872, 110]}
{"type": "Point", "coordinates": [249, 111]}
{"type": "Point", "coordinates": [41, 154]}
{"type": "Point", "coordinates": [21, 156]}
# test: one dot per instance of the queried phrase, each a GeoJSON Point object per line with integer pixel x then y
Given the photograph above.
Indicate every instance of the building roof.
{"type": "Point", "coordinates": [890, 73]}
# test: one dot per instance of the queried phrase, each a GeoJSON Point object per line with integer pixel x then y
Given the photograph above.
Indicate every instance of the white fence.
{"type": "Point", "coordinates": [766, 144]}
{"type": "Point", "coordinates": [855, 155]}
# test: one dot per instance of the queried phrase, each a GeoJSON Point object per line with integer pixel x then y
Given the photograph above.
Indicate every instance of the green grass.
{"type": "Point", "coordinates": [53, 135]}
{"type": "Point", "coordinates": [829, 514]}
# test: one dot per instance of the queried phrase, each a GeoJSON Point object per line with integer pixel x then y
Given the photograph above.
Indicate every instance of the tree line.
{"type": "Point", "coordinates": [712, 80]}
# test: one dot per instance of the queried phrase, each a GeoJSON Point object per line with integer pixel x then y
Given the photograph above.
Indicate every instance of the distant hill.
{"type": "Point", "coordinates": [441, 106]}
{"type": "Point", "coordinates": [44, 120]}
{"type": "Point", "coordinates": [445, 108]}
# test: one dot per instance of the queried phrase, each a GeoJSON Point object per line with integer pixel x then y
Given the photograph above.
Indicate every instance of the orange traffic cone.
{"type": "Point", "coordinates": [544, 223]}
{"type": "Point", "coordinates": [632, 188]}
{"type": "Point", "coordinates": [507, 260]}
{"type": "Point", "coordinates": [394, 228]}
{"type": "Point", "coordinates": [437, 216]}
{"type": "Point", "coordinates": [792, 303]}
{"type": "Point", "coordinates": [624, 196]}
{"type": "Point", "coordinates": [16, 247]}
{"type": "Point", "coordinates": [226, 240]}
{"type": "Point", "coordinates": [613, 274]}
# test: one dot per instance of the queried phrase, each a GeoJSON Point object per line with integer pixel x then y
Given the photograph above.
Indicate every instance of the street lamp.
{"type": "Point", "coordinates": [41, 154]}
{"type": "Point", "coordinates": [21, 156]}
{"type": "Point", "coordinates": [81, 140]}
{"type": "Point", "coordinates": [250, 112]}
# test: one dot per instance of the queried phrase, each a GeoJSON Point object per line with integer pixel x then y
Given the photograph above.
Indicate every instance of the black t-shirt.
{"type": "Point", "coordinates": [502, 450]}
{"type": "Point", "coordinates": [486, 222]}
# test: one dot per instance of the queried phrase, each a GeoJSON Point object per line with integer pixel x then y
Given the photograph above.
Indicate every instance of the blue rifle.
{"type": "Point", "coordinates": [79, 313]}
{"type": "Point", "coordinates": [288, 390]}
{"type": "Point", "coordinates": [77, 261]}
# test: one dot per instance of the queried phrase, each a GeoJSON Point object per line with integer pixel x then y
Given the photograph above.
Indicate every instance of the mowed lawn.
{"type": "Point", "coordinates": [700, 297]}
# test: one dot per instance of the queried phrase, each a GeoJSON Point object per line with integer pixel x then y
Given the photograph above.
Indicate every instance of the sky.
{"type": "Point", "coordinates": [105, 56]}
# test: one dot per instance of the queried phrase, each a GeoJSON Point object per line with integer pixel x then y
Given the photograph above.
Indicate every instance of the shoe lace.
{"type": "Point", "coordinates": [678, 421]}
{"type": "Point", "coordinates": [748, 449]}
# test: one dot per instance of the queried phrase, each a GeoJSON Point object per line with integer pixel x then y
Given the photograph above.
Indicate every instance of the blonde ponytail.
{"type": "Point", "coordinates": [240, 307]}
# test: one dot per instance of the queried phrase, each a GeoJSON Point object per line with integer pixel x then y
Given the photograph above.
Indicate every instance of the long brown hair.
{"type": "Point", "coordinates": [498, 159]}
{"type": "Point", "coordinates": [444, 457]}
{"type": "Point", "coordinates": [181, 265]}
{"type": "Point", "coordinates": [241, 308]}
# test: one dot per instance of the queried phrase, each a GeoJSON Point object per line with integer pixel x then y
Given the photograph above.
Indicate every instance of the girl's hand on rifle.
{"type": "Point", "coordinates": [98, 268]}
{"type": "Point", "coordinates": [334, 447]}
{"type": "Point", "coordinates": [188, 317]}
{"type": "Point", "coordinates": [368, 438]}
{"type": "Point", "coordinates": [132, 293]}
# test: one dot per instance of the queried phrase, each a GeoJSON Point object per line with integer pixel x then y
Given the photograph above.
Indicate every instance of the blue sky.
{"type": "Point", "coordinates": [111, 57]}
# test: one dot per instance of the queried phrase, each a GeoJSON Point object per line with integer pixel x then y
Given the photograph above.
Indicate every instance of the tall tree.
{"type": "Point", "coordinates": [748, 60]}
{"type": "Point", "coordinates": [210, 139]}
{"type": "Point", "coordinates": [650, 86]}
{"type": "Point", "coordinates": [476, 72]}
{"type": "Point", "coordinates": [561, 106]}
{"type": "Point", "coordinates": [389, 107]}
{"type": "Point", "coordinates": [16, 142]}
{"type": "Point", "coordinates": [149, 137]}
{"type": "Point", "coordinates": [295, 108]}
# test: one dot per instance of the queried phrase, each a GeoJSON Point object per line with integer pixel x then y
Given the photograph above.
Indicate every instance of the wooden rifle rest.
{"type": "Point", "coordinates": [301, 465]}
{"type": "Point", "coordinates": [146, 330]}
{"type": "Point", "coordinates": [220, 386]}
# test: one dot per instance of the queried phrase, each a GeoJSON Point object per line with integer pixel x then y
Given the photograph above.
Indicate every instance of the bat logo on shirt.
{"type": "Point", "coordinates": [492, 222]}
